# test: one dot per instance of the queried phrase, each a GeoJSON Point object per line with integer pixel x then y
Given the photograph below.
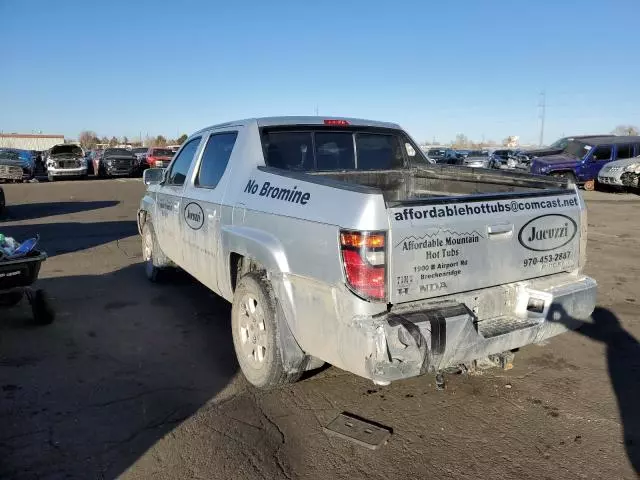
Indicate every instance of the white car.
{"type": "Point", "coordinates": [66, 160]}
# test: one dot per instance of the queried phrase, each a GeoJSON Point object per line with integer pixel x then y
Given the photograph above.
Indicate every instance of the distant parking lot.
{"type": "Point", "coordinates": [140, 380]}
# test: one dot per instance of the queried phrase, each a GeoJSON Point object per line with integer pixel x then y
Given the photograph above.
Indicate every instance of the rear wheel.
{"type": "Point", "coordinates": [255, 333]}
{"type": "Point", "coordinates": [43, 313]}
{"type": "Point", "coordinates": [590, 185]}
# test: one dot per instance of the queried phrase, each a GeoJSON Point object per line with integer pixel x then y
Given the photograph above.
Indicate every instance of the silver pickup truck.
{"type": "Point", "coordinates": [337, 241]}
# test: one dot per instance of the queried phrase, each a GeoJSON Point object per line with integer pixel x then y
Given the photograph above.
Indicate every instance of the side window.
{"type": "Point", "coordinates": [624, 151]}
{"type": "Point", "coordinates": [603, 152]}
{"type": "Point", "coordinates": [289, 150]}
{"type": "Point", "coordinates": [180, 167]}
{"type": "Point", "coordinates": [215, 159]}
{"type": "Point", "coordinates": [637, 153]}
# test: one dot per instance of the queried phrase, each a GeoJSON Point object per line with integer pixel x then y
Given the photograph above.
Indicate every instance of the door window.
{"type": "Point", "coordinates": [624, 151]}
{"type": "Point", "coordinates": [180, 166]}
{"type": "Point", "coordinates": [215, 159]}
{"type": "Point", "coordinates": [601, 153]}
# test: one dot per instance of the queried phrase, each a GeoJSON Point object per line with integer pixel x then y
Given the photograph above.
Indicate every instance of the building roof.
{"type": "Point", "coordinates": [30, 135]}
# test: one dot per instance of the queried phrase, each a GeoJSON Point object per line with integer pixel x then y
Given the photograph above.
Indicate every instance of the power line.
{"type": "Point", "coordinates": [543, 110]}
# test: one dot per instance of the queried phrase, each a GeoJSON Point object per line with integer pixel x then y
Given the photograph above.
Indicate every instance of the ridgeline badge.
{"type": "Point", "coordinates": [194, 216]}
{"type": "Point", "coordinates": [547, 232]}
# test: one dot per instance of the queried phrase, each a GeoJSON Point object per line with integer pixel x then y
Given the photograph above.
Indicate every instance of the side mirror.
{"type": "Point", "coordinates": [153, 176]}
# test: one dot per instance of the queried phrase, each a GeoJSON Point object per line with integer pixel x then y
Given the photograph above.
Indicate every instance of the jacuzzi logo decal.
{"type": "Point", "coordinates": [547, 232]}
{"type": "Point", "coordinates": [194, 216]}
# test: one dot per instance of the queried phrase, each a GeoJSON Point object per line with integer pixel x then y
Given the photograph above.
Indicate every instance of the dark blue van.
{"type": "Point", "coordinates": [582, 159]}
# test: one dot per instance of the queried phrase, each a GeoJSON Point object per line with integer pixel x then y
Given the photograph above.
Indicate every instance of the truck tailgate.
{"type": "Point", "coordinates": [449, 245]}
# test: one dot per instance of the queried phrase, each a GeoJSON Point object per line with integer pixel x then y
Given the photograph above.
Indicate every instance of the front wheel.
{"type": "Point", "coordinates": [151, 253]}
{"type": "Point", "coordinates": [255, 333]}
{"type": "Point", "coordinates": [566, 175]}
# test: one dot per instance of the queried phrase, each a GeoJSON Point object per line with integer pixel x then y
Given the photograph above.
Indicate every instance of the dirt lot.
{"type": "Point", "coordinates": [140, 381]}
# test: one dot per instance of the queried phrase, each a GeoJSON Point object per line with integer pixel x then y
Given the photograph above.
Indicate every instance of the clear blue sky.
{"type": "Point", "coordinates": [437, 67]}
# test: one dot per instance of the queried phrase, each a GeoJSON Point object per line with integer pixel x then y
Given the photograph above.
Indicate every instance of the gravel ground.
{"type": "Point", "coordinates": [136, 380]}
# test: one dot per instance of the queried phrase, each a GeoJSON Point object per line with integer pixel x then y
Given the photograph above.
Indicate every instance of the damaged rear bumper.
{"type": "Point", "coordinates": [449, 334]}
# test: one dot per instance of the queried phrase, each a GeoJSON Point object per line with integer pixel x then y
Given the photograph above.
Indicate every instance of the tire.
{"type": "Point", "coordinates": [10, 299]}
{"type": "Point", "coordinates": [43, 313]}
{"type": "Point", "coordinates": [255, 333]}
{"type": "Point", "coordinates": [152, 253]}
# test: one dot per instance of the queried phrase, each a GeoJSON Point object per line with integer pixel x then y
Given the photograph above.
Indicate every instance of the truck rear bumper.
{"type": "Point", "coordinates": [410, 344]}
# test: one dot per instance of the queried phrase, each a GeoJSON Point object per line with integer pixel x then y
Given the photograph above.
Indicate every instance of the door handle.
{"type": "Point", "coordinates": [505, 230]}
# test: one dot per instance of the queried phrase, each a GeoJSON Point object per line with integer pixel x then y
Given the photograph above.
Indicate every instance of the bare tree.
{"type": "Point", "coordinates": [125, 140]}
{"type": "Point", "coordinates": [461, 140]}
{"type": "Point", "coordinates": [87, 139]}
{"type": "Point", "coordinates": [113, 142]}
{"type": "Point", "coordinates": [160, 141]}
{"type": "Point", "coordinates": [625, 130]}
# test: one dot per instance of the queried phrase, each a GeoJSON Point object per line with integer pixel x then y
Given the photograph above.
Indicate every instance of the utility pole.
{"type": "Point", "coordinates": [316, 110]}
{"type": "Point", "coordinates": [543, 110]}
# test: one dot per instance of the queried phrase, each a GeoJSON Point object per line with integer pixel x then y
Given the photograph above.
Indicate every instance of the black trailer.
{"type": "Point", "coordinates": [16, 279]}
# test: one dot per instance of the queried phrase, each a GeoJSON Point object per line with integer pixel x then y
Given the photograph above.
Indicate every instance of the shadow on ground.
{"type": "Point", "coordinates": [31, 211]}
{"type": "Point", "coordinates": [125, 362]}
{"type": "Point", "coordinates": [67, 237]}
{"type": "Point", "coordinates": [623, 362]}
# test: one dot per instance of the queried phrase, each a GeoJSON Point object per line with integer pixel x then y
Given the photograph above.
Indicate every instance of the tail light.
{"type": "Point", "coordinates": [363, 258]}
{"type": "Point", "coordinates": [151, 161]}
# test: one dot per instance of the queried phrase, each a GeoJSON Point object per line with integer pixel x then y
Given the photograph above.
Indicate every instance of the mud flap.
{"type": "Point", "coordinates": [293, 357]}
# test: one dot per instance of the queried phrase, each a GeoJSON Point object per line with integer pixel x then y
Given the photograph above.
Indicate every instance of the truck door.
{"type": "Point", "coordinates": [599, 156]}
{"type": "Point", "coordinates": [201, 209]}
{"type": "Point", "coordinates": [167, 218]}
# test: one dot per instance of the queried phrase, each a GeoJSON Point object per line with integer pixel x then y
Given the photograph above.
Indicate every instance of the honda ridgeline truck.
{"type": "Point", "coordinates": [337, 241]}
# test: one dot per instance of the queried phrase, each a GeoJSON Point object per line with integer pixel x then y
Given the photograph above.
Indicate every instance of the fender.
{"type": "Point", "coordinates": [267, 250]}
{"type": "Point", "coordinates": [252, 243]}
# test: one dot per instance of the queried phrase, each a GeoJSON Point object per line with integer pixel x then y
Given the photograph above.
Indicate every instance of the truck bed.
{"type": "Point", "coordinates": [443, 180]}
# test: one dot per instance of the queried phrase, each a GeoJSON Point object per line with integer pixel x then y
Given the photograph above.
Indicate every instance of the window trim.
{"type": "Point", "coordinates": [204, 149]}
{"type": "Point", "coordinates": [173, 162]}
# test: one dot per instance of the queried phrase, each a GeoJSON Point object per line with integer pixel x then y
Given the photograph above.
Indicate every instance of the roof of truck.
{"type": "Point", "coordinates": [608, 140]}
{"type": "Point", "coordinates": [317, 120]}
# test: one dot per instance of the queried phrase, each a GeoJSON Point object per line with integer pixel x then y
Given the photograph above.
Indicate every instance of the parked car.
{"type": "Point", "coordinates": [631, 176]}
{"type": "Point", "coordinates": [478, 159]}
{"type": "Point", "coordinates": [158, 157]}
{"type": "Point", "coordinates": [117, 162]}
{"type": "Point", "coordinates": [333, 249]}
{"type": "Point", "coordinates": [141, 159]}
{"type": "Point", "coordinates": [66, 160]}
{"type": "Point", "coordinates": [559, 145]}
{"type": "Point", "coordinates": [582, 160]}
{"type": "Point", "coordinates": [443, 156]}
{"type": "Point", "coordinates": [16, 165]}
{"type": "Point", "coordinates": [611, 174]}
{"type": "Point", "coordinates": [3, 201]}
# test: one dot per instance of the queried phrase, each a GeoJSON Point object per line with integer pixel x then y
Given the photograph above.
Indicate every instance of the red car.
{"type": "Point", "coordinates": [158, 157]}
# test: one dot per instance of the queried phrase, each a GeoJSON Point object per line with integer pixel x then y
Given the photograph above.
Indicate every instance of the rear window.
{"type": "Point", "coordinates": [162, 152]}
{"type": "Point", "coordinates": [326, 150]}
